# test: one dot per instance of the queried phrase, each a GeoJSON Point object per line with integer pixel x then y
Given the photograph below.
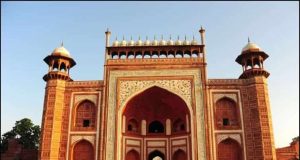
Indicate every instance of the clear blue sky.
{"type": "Point", "coordinates": [31, 30]}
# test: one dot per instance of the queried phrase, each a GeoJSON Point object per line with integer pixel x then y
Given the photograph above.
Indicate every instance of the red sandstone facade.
{"type": "Point", "coordinates": [156, 102]}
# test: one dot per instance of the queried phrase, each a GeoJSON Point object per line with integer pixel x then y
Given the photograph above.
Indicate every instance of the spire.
{"type": "Point", "coordinates": [146, 37]}
{"type": "Point", "coordinates": [154, 37]}
{"type": "Point", "coordinates": [178, 37]}
{"type": "Point", "coordinates": [162, 37]}
{"type": "Point", "coordinates": [170, 37]}
{"type": "Point", "coordinates": [248, 39]}
{"type": "Point", "coordinates": [193, 37]}
{"type": "Point", "coordinates": [130, 37]}
{"type": "Point", "coordinates": [184, 37]}
{"type": "Point", "coordinates": [123, 38]}
{"type": "Point", "coordinates": [62, 43]}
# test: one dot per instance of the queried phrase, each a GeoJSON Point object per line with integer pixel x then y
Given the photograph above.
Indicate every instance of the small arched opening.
{"type": "Point", "coordinates": [156, 155]}
{"type": "Point", "coordinates": [229, 149]}
{"type": "Point", "coordinates": [156, 127]}
{"type": "Point", "coordinates": [132, 126]}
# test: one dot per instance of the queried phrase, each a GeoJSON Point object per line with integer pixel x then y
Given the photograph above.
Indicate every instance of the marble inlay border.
{"type": "Point", "coordinates": [197, 130]}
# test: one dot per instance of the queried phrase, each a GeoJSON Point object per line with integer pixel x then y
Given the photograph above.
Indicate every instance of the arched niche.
{"type": "Point", "coordinates": [226, 114]}
{"type": "Point", "coordinates": [83, 149]}
{"type": "Point", "coordinates": [84, 116]}
{"type": "Point", "coordinates": [132, 155]}
{"type": "Point", "coordinates": [229, 149]}
{"type": "Point", "coordinates": [179, 155]}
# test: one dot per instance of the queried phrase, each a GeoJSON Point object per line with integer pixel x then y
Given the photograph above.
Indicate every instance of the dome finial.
{"type": "Point", "coordinates": [62, 43]}
{"type": "Point", "coordinates": [170, 37]}
{"type": "Point", "coordinates": [178, 37]}
{"type": "Point", "coordinates": [184, 37]}
{"type": "Point", "coordinates": [123, 38]}
{"type": "Point", "coordinates": [162, 37]}
{"type": "Point", "coordinates": [130, 37]}
{"type": "Point", "coordinates": [154, 37]}
{"type": "Point", "coordinates": [193, 37]}
{"type": "Point", "coordinates": [248, 39]}
{"type": "Point", "coordinates": [116, 37]}
{"type": "Point", "coordinates": [146, 37]}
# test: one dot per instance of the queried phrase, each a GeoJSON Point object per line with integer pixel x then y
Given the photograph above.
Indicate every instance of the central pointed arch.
{"type": "Point", "coordinates": [156, 105]}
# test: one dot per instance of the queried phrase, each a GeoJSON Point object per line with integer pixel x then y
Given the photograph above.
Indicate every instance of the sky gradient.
{"type": "Point", "coordinates": [31, 30]}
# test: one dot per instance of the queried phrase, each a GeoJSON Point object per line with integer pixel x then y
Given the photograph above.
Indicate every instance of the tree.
{"type": "Point", "coordinates": [25, 132]}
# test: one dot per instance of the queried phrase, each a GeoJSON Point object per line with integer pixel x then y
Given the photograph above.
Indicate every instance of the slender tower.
{"type": "Point", "coordinates": [256, 106]}
{"type": "Point", "coordinates": [59, 63]}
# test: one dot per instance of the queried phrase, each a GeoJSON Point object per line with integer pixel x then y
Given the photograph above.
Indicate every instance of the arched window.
{"type": "Point", "coordinates": [132, 126]}
{"type": "Point", "coordinates": [55, 66]}
{"type": "Point", "coordinates": [114, 55]}
{"type": "Point", "coordinates": [229, 149]}
{"type": "Point", "coordinates": [178, 126]}
{"type": "Point", "coordinates": [130, 55]}
{"type": "Point", "coordinates": [256, 63]}
{"type": "Point", "coordinates": [156, 127]}
{"type": "Point", "coordinates": [226, 113]}
{"type": "Point", "coordinates": [85, 116]}
{"type": "Point", "coordinates": [63, 67]}
{"type": "Point", "coordinates": [248, 64]}
{"type": "Point", "coordinates": [195, 53]}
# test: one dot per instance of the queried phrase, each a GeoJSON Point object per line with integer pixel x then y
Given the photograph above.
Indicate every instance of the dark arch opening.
{"type": "Point", "coordinates": [178, 126]}
{"type": "Point", "coordinates": [55, 66]}
{"type": "Point", "coordinates": [156, 127]}
{"type": "Point", "coordinates": [156, 153]}
{"type": "Point", "coordinates": [63, 67]}
{"type": "Point", "coordinates": [179, 155]}
{"type": "Point", "coordinates": [132, 125]}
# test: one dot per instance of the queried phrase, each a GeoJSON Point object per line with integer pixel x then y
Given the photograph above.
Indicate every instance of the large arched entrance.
{"type": "Point", "coordinates": [156, 117]}
{"type": "Point", "coordinates": [229, 149]}
{"type": "Point", "coordinates": [83, 150]}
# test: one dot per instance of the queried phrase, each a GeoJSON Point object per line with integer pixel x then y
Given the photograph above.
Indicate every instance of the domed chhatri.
{"type": "Point", "coordinates": [116, 42]}
{"type": "Point", "coordinates": [147, 42]}
{"type": "Point", "coordinates": [131, 42]}
{"type": "Point", "coordinates": [123, 42]}
{"type": "Point", "coordinates": [139, 42]}
{"type": "Point", "coordinates": [251, 47]}
{"type": "Point", "coordinates": [61, 51]}
{"type": "Point", "coordinates": [251, 59]}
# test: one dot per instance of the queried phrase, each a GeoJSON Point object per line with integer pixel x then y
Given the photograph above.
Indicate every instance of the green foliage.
{"type": "Point", "coordinates": [25, 132]}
